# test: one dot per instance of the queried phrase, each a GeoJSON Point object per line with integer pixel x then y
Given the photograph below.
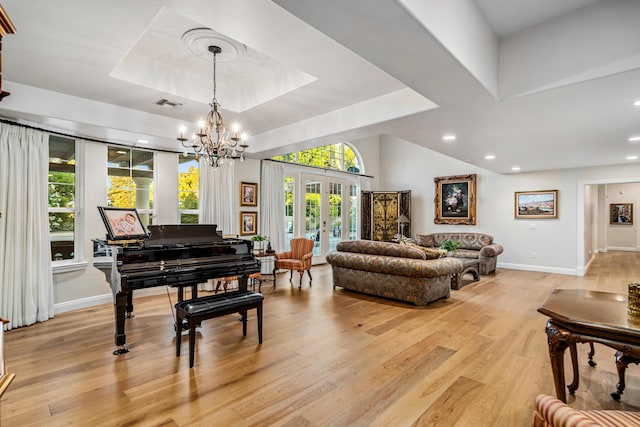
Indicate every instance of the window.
{"type": "Point", "coordinates": [131, 180]}
{"type": "Point", "coordinates": [188, 189]}
{"type": "Point", "coordinates": [62, 198]}
{"type": "Point", "coordinates": [333, 156]}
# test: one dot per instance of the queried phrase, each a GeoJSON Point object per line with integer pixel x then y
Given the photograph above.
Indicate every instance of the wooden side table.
{"type": "Point", "coordinates": [267, 264]}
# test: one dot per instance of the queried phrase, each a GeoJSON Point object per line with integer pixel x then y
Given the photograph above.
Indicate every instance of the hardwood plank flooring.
{"type": "Point", "coordinates": [329, 358]}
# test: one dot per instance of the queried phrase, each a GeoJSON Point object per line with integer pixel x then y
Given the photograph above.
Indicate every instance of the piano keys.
{"type": "Point", "coordinates": [181, 255]}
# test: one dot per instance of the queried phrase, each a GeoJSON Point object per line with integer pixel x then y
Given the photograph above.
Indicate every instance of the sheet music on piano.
{"type": "Point", "coordinates": [181, 255]}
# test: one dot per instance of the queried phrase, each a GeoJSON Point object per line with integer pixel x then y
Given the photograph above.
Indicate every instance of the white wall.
{"type": "Point", "coordinates": [397, 165]}
{"type": "Point", "coordinates": [550, 245]}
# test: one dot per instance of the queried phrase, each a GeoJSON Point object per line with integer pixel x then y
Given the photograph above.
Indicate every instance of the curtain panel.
{"type": "Point", "coordinates": [272, 204]}
{"type": "Point", "coordinates": [26, 278]}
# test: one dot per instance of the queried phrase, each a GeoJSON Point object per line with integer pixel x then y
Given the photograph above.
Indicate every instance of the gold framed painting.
{"type": "Point", "coordinates": [621, 213]}
{"type": "Point", "coordinates": [536, 204]}
{"type": "Point", "coordinates": [248, 223]}
{"type": "Point", "coordinates": [248, 194]}
{"type": "Point", "coordinates": [455, 201]}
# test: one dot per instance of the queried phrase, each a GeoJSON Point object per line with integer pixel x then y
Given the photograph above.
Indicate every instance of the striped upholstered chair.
{"type": "Point", "coordinates": [552, 412]}
{"type": "Point", "coordinates": [298, 259]}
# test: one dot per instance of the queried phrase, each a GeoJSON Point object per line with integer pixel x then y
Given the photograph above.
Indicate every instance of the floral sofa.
{"type": "Point", "coordinates": [391, 270]}
{"type": "Point", "coordinates": [472, 245]}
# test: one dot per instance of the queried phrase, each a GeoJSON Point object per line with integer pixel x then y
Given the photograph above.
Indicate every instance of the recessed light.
{"type": "Point", "coordinates": [143, 141]}
{"type": "Point", "coordinates": [634, 139]}
{"type": "Point", "coordinates": [636, 103]}
{"type": "Point", "coordinates": [489, 157]}
{"type": "Point", "coordinates": [515, 168]}
{"type": "Point", "coordinates": [449, 137]}
{"type": "Point", "coordinates": [632, 157]}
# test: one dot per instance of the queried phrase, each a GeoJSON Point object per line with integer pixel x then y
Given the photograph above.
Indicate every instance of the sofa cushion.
{"type": "Point", "coordinates": [466, 253]}
{"type": "Point", "coordinates": [372, 247]}
{"type": "Point", "coordinates": [475, 241]}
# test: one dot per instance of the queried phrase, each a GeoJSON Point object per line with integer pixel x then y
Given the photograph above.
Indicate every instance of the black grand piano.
{"type": "Point", "coordinates": [172, 255]}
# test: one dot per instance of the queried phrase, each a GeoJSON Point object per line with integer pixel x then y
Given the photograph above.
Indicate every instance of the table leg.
{"type": "Point", "coordinates": [574, 364]}
{"type": "Point", "coordinates": [558, 343]}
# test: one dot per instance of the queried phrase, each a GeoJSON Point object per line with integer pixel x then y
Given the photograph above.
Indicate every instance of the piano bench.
{"type": "Point", "coordinates": [198, 309]}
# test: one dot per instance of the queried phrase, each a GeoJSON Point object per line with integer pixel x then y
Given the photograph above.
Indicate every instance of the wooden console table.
{"type": "Point", "coordinates": [583, 316]}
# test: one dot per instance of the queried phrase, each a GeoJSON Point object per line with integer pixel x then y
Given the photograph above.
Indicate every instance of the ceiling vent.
{"type": "Point", "coordinates": [163, 102]}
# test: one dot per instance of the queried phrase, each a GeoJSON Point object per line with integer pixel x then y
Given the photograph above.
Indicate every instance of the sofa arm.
{"type": "Point", "coordinates": [491, 250]}
{"type": "Point", "coordinates": [551, 412]}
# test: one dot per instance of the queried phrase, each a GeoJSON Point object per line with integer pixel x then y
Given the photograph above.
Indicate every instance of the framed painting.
{"type": "Point", "coordinates": [122, 223]}
{"type": "Point", "coordinates": [248, 194]}
{"type": "Point", "coordinates": [536, 204]}
{"type": "Point", "coordinates": [621, 213]}
{"type": "Point", "coordinates": [248, 223]}
{"type": "Point", "coordinates": [455, 201]}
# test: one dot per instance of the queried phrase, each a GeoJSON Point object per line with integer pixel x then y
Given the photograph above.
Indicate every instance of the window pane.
{"type": "Point", "coordinates": [338, 156]}
{"type": "Point", "coordinates": [335, 214]}
{"type": "Point", "coordinates": [130, 180]}
{"type": "Point", "coordinates": [312, 222]}
{"type": "Point", "coordinates": [118, 157]}
{"type": "Point", "coordinates": [142, 160]}
{"type": "Point", "coordinates": [188, 188]}
{"type": "Point", "coordinates": [61, 197]}
{"type": "Point", "coordinates": [288, 209]}
{"type": "Point", "coordinates": [189, 219]}
{"type": "Point", "coordinates": [353, 212]}
{"type": "Point", "coordinates": [61, 228]}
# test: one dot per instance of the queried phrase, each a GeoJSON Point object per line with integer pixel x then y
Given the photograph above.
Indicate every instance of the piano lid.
{"type": "Point", "coordinates": [182, 235]}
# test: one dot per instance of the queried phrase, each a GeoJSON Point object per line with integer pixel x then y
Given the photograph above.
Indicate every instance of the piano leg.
{"type": "Point", "coordinates": [130, 305]}
{"type": "Point", "coordinates": [120, 307]}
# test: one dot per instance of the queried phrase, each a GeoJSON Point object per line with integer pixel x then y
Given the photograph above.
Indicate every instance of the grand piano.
{"type": "Point", "coordinates": [172, 255]}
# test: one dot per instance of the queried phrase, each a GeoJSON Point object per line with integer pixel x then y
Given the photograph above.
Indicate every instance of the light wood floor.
{"type": "Point", "coordinates": [328, 359]}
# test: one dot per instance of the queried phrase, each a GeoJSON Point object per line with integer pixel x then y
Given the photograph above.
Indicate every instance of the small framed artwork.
{"type": "Point", "coordinates": [455, 201]}
{"type": "Point", "coordinates": [536, 204]}
{"type": "Point", "coordinates": [248, 223]}
{"type": "Point", "coordinates": [248, 194]}
{"type": "Point", "coordinates": [621, 213]}
{"type": "Point", "coordinates": [122, 223]}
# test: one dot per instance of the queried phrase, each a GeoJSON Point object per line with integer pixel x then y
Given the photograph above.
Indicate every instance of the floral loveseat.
{"type": "Point", "coordinates": [472, 245]}
{"type": "Point", "coordinates": [391, 270]}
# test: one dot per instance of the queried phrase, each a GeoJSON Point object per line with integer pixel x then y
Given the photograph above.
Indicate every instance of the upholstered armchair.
{"type": "Point", "coordinates": [298, 259]}
{"type": "Point", "coordinates": [552, 412]}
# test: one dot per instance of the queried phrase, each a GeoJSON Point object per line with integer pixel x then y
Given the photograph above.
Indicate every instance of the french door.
{"type": "Point", "coordinates": [326, 212]}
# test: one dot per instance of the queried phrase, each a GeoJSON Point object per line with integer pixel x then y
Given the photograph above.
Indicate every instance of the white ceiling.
{"type": "Point", "coordinates": [541, 84]}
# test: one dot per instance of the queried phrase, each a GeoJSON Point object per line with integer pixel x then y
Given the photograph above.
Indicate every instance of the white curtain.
{"type": "Point", "coordinates": [272, 204]}
{"type": "Point", "coordinates": [218, 201]}
{"type": "Point", "coordinates": [218, 197]}
{"type": "Point", "coordinates": [26, 280]}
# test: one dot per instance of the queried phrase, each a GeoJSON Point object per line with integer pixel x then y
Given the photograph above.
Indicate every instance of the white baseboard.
{"type": "Point", "coordinates": [622, 248]}
{"type": "Point", "coordinates": [82, 303]}
{"type": "Point", "coordinates": [540, 268]}
{"type": "Point", "coordinates": [101, 299]}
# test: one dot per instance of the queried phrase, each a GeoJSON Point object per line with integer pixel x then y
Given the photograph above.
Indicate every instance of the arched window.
{"type": "Point", "coordinates": [338, 156]}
